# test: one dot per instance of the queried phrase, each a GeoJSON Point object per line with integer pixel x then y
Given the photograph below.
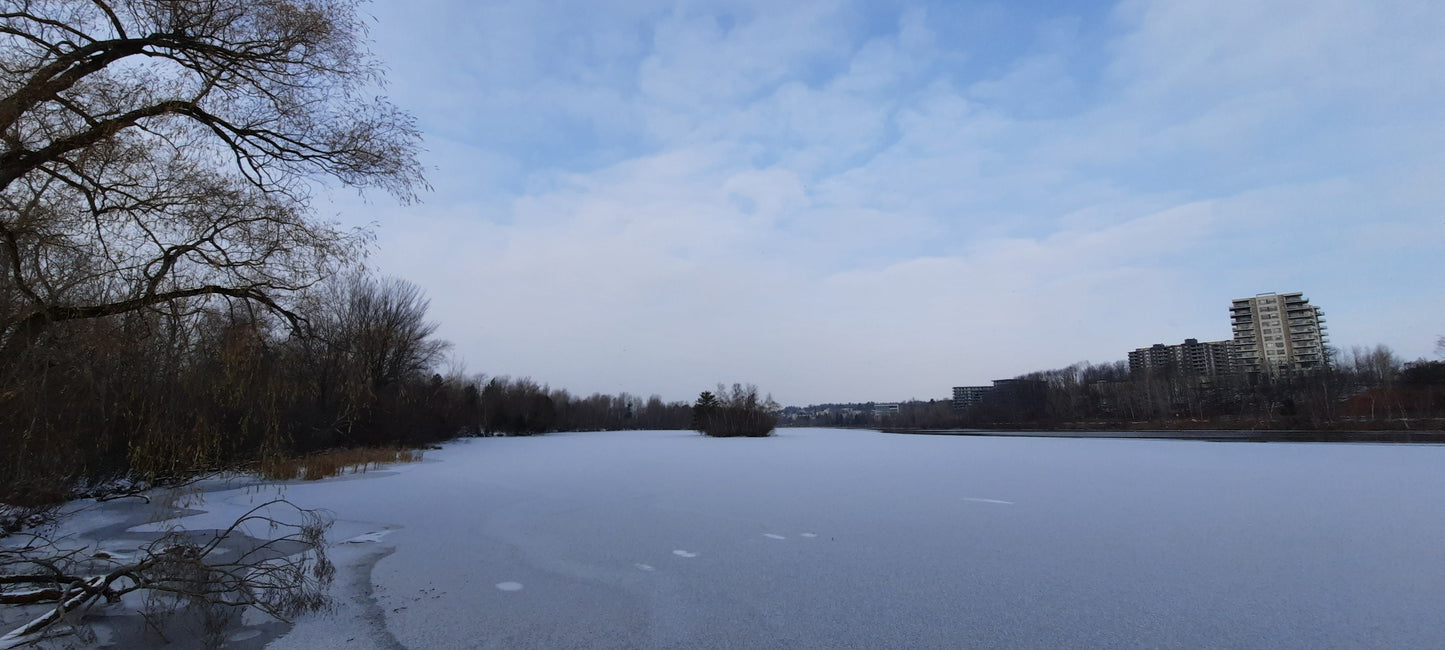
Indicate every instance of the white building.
{"type": "Point", "coordinates": [1278, 333]}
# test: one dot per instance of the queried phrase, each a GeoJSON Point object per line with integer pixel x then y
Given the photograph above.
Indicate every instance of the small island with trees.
{"type": "Point", "coordinates": [734, 413]}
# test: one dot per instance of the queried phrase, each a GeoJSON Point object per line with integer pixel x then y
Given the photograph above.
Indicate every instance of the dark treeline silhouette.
{"type": "Point", "coordinates": [522, 407]}
{"type": "Point", "coordinates": [1366, 388]}
{"type": "Point", "coordinates": [165, 393]}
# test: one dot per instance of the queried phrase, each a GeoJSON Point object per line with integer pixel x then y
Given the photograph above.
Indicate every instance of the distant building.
{"type": "Point", "coordinates": [966, 396]}
{"type": "Point", "coordinates": [1156, 358]}
{"type": "Point", "coordinates": [1019, 399]}
{"type": "Point", "coordinates": [1189, 359]}
{"type": "Point", "coordinates": [885, 409]}
{"type": "Point", "coordinates": [1278, 333]}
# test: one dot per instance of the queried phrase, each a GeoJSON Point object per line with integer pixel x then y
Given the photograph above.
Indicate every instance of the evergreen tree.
{"type": "Point", "coordinates": [702, 410]}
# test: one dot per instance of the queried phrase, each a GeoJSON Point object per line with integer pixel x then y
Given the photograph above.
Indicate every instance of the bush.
{"type": "Point", "coordinates": [735, 413]}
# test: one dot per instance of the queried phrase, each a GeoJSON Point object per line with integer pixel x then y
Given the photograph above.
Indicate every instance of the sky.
{"type": "Point", "coordinates": [877, 201]}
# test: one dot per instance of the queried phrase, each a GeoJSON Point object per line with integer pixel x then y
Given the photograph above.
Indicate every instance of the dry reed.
{"type": "Point", "coordinates": [336, 462]}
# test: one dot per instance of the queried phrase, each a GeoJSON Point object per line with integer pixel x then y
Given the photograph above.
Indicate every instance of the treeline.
{"type": "Point", "coordinates": [182, 388]}
{"type": "Point", "coordinates": [523, 407]}
{"type": "Point", "coordinates": [1365, 388]}
{"type": "Point", "coordinates": [166, 393]}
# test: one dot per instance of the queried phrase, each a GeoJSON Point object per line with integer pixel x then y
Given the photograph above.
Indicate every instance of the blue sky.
{"type": "Point", "coordinates": [846, 201]}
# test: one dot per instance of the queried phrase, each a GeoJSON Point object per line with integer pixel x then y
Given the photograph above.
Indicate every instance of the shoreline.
{"type": "Point", "coordinates": [1431, 436]}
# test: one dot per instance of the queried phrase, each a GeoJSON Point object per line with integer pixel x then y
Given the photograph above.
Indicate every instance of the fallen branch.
{"type": "Point", "coordinates": [32, 596]}
{"type": "Point", "coordinates": [37, 628]}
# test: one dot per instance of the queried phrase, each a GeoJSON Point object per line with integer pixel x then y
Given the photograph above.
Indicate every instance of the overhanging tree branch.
{"type": "Point", "coordinates": [153, 157]}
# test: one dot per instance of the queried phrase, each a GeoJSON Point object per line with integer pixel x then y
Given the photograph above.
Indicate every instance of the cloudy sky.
{"type": "Point", "coordinates": [851, 201]}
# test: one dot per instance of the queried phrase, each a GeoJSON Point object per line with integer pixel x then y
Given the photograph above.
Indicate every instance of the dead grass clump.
{"type": "Point", "coordinates": [336, 462]}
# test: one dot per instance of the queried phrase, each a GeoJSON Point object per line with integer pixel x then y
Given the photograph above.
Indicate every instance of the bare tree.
{"type": "Point", "coordinates": [372, 348]}
{"type": "Point", "coordinates": [156, 151]}
{"type": "Point", "coordinates": [1377, 367]}
{"type": "Point", "coordinates": [385, 331]}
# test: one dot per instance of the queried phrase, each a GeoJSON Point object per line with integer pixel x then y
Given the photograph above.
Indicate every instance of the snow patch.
{"type": "Point", "coordinates": [509, 586]}
{"type": "Point", "coordinates": [645, 567]}
{"type": "Point", "coordinates": [682, 553]}
{"type": "Point", "coordinates": [244, 635]}
{"type": "Point", "coordinates": [773, 536]}
{"type": "Point", "coordinates": [976, 500]}
{"type": "Point", "coordinates": [368, 537]}
{"type": "Point", "coordinates": [808, 534]}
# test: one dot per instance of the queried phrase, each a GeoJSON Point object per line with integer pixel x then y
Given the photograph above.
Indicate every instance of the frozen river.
{"type": "Point", "coordinates": [833, 538]}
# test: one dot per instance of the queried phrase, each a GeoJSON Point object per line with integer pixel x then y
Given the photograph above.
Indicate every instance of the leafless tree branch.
{"type": "Point", "coordinates": [285, 574]}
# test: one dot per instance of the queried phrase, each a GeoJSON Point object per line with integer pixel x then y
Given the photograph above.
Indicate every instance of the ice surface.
{"type": "Point", "coordinates": [663, 539]}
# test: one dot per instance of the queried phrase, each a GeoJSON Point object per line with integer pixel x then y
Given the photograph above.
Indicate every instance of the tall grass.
{"type": "Point", "coordinates": [325, 464]}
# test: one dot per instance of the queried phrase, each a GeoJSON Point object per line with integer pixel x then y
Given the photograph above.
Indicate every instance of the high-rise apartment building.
{"type": "Point", "coordinates": [1278, 333]}
{"type": "Point", "coordinates": [1189, 359]}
